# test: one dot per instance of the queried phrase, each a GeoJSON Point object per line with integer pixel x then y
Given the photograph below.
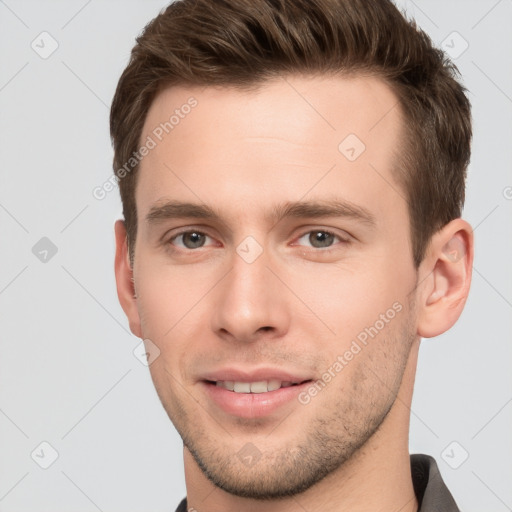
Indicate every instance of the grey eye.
{"type": "Point", "coordinates": [320, 239]}
{"type": "Point", "coordinates": [191, 239]}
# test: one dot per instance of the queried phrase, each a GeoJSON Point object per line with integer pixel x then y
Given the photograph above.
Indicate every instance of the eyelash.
{"type": "Point", "coordinates": [340, 239]}
{"type": "Point", "coordinates": [177, 235]}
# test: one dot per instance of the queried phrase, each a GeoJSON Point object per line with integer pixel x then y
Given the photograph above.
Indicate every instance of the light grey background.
{"type": "Point", "coordinates": [68, 376]}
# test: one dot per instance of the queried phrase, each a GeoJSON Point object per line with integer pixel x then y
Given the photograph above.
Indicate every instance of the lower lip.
{"type": "Point", "coordinates": [252, 405]}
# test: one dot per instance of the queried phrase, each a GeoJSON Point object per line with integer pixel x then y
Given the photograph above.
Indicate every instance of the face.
{"type": "Point", "coordinates": [273, 245]}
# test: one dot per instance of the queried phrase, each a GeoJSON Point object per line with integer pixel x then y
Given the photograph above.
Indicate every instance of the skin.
{"type": "Point", "coordinates": [297, 306]}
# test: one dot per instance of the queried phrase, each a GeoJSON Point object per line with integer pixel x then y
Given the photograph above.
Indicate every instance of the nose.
{"type": "Point", "coordinates": [250, 302]}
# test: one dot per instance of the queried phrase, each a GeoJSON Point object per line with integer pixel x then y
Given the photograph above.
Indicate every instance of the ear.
{"type": "Point", "coordinates": [445, 278]}
{"type": "Point", "coordinates": [124, 280]}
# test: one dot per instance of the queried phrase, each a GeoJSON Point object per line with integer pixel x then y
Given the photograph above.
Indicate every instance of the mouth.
{"type": "Point", "coordinates": [257, 387]}
{"type": "Point", "coordinates": [254, 399]}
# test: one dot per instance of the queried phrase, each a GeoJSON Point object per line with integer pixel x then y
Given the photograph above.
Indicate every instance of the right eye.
{"type": "Point", "coordinates": [189, 239]}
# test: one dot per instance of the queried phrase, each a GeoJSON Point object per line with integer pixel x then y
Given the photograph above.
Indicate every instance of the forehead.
{"type": "Point", "coordinates": [281, 137]}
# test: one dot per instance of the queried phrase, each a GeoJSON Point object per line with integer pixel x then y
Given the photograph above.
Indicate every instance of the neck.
{"type": "Point", "coordinates": [377, 478]}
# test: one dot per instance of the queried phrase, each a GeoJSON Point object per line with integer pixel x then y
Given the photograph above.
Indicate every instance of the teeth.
{"type": "Point", "coordinates": [274, 384]}
{"type": "Point", "coordinates": [242, 387]}
{"type": "Point", "coordinates": [253, 387]}
{"type": "Point", "coordinates": [259, 387]}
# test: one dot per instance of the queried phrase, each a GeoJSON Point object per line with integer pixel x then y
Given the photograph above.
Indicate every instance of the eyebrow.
{"type": "Point", "coordinates": [324, 208]}
{"type": "Point", "coordinates": [294, 209]}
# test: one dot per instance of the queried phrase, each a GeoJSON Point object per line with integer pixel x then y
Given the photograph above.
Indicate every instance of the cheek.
{"type": "Point", "coordinates": [167, 296]}
{"type": "Point", "coordinates": [350, 298]}
{"type": "Point", "coordinates": [174, 310]}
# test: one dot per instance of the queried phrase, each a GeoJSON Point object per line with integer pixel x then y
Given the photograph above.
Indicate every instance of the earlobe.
{"type": "Point", "coordinates": [446, 280]}
{"type": "Point", "coordinates": [124, 280]}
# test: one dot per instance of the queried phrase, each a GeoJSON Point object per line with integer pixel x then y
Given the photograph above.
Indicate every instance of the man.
{"type": "Point", "coordinates": [292, 176]}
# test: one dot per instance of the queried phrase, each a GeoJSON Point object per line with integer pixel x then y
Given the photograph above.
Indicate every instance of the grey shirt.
{"type": "Point", "coordinates": [431, 491]}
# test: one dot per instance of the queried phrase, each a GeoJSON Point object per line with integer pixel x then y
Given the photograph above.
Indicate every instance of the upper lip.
{"type": "Point", "coordinates": [255, 375]}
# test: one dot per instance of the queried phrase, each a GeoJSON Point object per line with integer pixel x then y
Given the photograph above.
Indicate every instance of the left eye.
{"type": "Point", "coordinates": [319, 239]}
{"type": "Point", "coordinates": [190, 240]}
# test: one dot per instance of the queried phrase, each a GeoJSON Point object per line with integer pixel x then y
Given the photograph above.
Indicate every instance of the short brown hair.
{"type": "Point", "coordinates": [241, 43]}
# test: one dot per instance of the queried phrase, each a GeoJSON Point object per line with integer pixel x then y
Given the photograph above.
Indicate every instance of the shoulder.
{"type": "Point", "coordinates": [430, 489]}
